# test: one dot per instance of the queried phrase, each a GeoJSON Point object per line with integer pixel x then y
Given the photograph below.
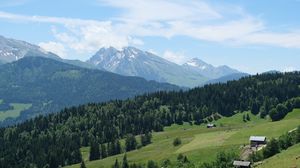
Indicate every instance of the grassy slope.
{"type": "Point", "coordinates": [286, 158]}
{"type": "Point", "coordinates": [15, 112]}
{"type": "Point", "coordinates": [201, 144]}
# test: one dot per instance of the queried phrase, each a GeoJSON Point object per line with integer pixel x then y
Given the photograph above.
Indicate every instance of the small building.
{"type": "Point", "coordinates": [210, 125]}
{"type": "Point", "coordinates": [257, 140]}
{"type": "Point", "coordinates": [241, 164]}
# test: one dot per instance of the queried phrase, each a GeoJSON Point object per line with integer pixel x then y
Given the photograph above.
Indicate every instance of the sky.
{"type": "Point", "coordinates": [252, 36]}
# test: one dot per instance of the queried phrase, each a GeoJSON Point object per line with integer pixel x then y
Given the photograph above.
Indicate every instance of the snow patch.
{"type": "Point", "coordinates": [194, 64]}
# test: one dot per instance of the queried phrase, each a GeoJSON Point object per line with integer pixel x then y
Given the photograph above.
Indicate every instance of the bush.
{"type": "Point", "coordinates": [177, 141]}
{"type": "Point", "coordinates": [271, 149]}
{"type": "Point", "coordinates": [279, 112]}
{"type": "Point", "coordinates": [152, 164]}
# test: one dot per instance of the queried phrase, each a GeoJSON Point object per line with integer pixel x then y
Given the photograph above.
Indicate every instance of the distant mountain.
{"type": "Point", "coordinates": [208, 70]}
{"type": "Point", "coordinates": [131, 61]}
{"type": "Point", "coordinates": [231, 77]}
{"type": "Point", "coordinates": [271, 72]}
{"type": "Point", "coordinates": [13, 50]}
{"type": "Point", "coordinates": [50, 85]}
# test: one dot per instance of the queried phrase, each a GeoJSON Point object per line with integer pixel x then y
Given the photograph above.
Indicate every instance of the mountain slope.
{"type": "Point", "coordinates": [208, 70]}
{"type": "Point", "coordinates": [134, 62]}
{"type": "Point", "coordinates": [224, 79]}
{"type": "Point", "coordinates": [13, 50]}
{"type": "Point", "coordinates": [50, 85]}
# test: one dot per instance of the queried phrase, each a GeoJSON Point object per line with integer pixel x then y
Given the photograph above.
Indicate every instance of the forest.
{"type": "Point", "coordinates": [55, 140]}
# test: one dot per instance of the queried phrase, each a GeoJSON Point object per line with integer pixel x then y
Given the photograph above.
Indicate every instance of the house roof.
{"type": "Point", "coordinates": [241, 163]}
{"type": "Point", "coordinates": [257, 138]}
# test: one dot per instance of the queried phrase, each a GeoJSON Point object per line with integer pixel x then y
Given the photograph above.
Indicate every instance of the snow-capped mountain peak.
{"type": "Point", "coordinates": [197, 63]}
{"type": "Point", "coordinates": [208, 70]}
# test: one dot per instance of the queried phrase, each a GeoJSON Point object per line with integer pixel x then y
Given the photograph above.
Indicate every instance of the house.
{"type": "Point", "coordinates": [210, 125]}
{"type": "Point", "coordinates": [257, 140]}
{"type": "Point", "coordinates": [241, 164]}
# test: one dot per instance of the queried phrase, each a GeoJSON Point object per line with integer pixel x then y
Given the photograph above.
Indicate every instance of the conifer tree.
{"type": "Point", "coordinates": [125, 162]}
{"type": "Point", "coordinates": [94, 150]}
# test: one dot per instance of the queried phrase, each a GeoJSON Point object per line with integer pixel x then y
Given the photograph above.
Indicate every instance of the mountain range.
{"type": "Point", "coordinates": [208, 70]}
{"type": "Point", "coordinates": [128, 61]}
{"type": "Point", "coordinates": [131, 61]}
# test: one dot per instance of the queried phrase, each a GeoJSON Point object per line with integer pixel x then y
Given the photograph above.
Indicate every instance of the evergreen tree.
{"type": "Point", "coordinates": [130, 142]}
{"type": "Point", "coordinates": [177, 141]}
{"type": "Point", "coordinates": [146, 138]}
{"type": "Point", "coordinates": [82, 165]}
{"type": "Point", "coordinates": [116, 165]}
{"type": "Point", "coordinates": [125, 162]}
{"type": "Point", "coordinates": [152, 164]}
{"type": "Point", "coordinates": [103, 151]}
{"type": "Point", "coordinates": [248, 117]}
{"type": "Point", "coordinates": [244, 118]}
{"type": "Point", "coordinates": [118, 148]}
{"type": "Point", "coordinates": [255, 108]}
{"type": "Point", "coordinates": [94, 151]}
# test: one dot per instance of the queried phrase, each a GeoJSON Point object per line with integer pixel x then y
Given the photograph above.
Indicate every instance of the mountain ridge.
{"type": "Point", "coordinates": [208, 70]}
{"type": "Point", "coordinates": [131, 61]}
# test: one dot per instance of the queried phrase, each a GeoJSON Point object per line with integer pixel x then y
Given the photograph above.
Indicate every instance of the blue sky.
{"type": "Point", "coordinates": [250, 35]}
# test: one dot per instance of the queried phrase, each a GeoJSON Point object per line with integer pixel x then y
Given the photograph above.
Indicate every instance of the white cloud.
{"type": "Point", "coordinates": [176, 57]}
{"type": "Point", "coordinates": [199, 20]}
{"type": "Point", "coordinates": [54, 47]}
{"type": "Point", "coordinates": [162, 18]}
{"type": "Point", "coordinates": [82, 36]}
{"type": "Point", "coordinates": [163, 10]}
{"type": "Point", "coordinates": [9, 3]}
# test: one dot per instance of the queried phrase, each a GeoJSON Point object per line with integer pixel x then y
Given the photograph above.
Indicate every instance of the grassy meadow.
{"type": "Point", "coordinates": [199, 143]}
{"type": "Point", "coordinates": [15, 112]}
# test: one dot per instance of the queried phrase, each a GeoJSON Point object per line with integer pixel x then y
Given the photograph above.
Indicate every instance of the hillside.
{"type": "Point", "coordinates": [57, 139]}
{"type": "Point", "coordinates": [51, 85]}
{"type": "Point", "coordinates": [200, 144]}
{"type": "Point", "coordinates": [226, 78]}
{"type": "Point", "coordinates": [287, 158]}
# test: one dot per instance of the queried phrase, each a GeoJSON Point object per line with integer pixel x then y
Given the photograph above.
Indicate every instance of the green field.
{"type": "Point", "coordinates": [15, 112]}
{"type": "Point", "coordinates": [199, 143]}
{"type": "Point", "coordinates": [287, 158]}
